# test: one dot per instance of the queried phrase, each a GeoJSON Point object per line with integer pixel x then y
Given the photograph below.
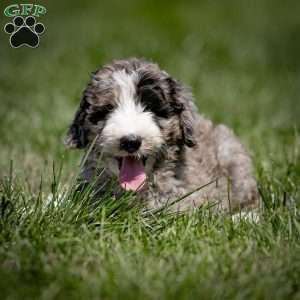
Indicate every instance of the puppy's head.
{"type": "Point", "coordinates": [132, 112]}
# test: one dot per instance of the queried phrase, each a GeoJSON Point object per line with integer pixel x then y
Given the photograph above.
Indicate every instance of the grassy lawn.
{"type": "Point", "coordinates": [242, 60]}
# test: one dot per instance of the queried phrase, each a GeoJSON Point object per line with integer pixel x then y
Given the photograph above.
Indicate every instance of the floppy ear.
{"type": "Point", "coordinates": [186, 120]}
{"type": "Point", "coordinates": [76, 137]}
{"type": "Point", "coordinates": [182, 100]}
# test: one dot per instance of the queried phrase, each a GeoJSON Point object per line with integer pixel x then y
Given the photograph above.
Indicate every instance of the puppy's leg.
{"type": "Point", "coordinates": [236, 164]}
{"type": "Point", "coordinates": [93, 175]}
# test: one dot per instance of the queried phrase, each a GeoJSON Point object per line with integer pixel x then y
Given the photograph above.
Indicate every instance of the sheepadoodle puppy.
{"type": "Point", "coordinates": [140, 126]}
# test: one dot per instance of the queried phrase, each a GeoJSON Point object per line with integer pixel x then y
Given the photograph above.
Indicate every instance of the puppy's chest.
{"type": "Point", "coordinates": [194, 170]}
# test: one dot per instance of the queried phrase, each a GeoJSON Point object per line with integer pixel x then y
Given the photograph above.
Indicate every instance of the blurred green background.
{"type": "Point", "coordinates": [241, 59]}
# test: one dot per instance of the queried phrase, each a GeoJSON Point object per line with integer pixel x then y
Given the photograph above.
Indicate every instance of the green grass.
{"type": "Point", "coordinates": [242, 61]}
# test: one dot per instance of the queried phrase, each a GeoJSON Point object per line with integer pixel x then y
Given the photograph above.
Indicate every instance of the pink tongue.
{"type": "Point", "coordinates": [132, 174]}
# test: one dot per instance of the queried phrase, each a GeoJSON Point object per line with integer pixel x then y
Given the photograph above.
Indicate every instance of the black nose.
{"type": "Point", "coordinates": [130, 143]}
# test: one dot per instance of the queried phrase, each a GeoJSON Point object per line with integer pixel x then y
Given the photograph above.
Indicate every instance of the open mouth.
{"type": "Point", "coordinates": [132, 175]}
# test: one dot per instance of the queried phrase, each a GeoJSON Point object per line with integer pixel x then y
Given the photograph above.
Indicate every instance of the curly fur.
{"type": "Point", "coordinates": [184, 150]}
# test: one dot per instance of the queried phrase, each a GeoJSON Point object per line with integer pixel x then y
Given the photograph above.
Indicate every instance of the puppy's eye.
{"type": "Point", "coordinates": [153, 102]}
{"type": "Point", "coordinates": [146, 82]}
{"type": "Point", "coordinates": [100, 113]}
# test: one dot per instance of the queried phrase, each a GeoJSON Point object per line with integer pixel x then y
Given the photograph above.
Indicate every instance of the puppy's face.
{"type": "Point", "coordinates": [132, 113]}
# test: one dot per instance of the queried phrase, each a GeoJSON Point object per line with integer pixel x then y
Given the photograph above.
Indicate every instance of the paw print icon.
{"type": "Point", "coordinates": [24, 32]}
